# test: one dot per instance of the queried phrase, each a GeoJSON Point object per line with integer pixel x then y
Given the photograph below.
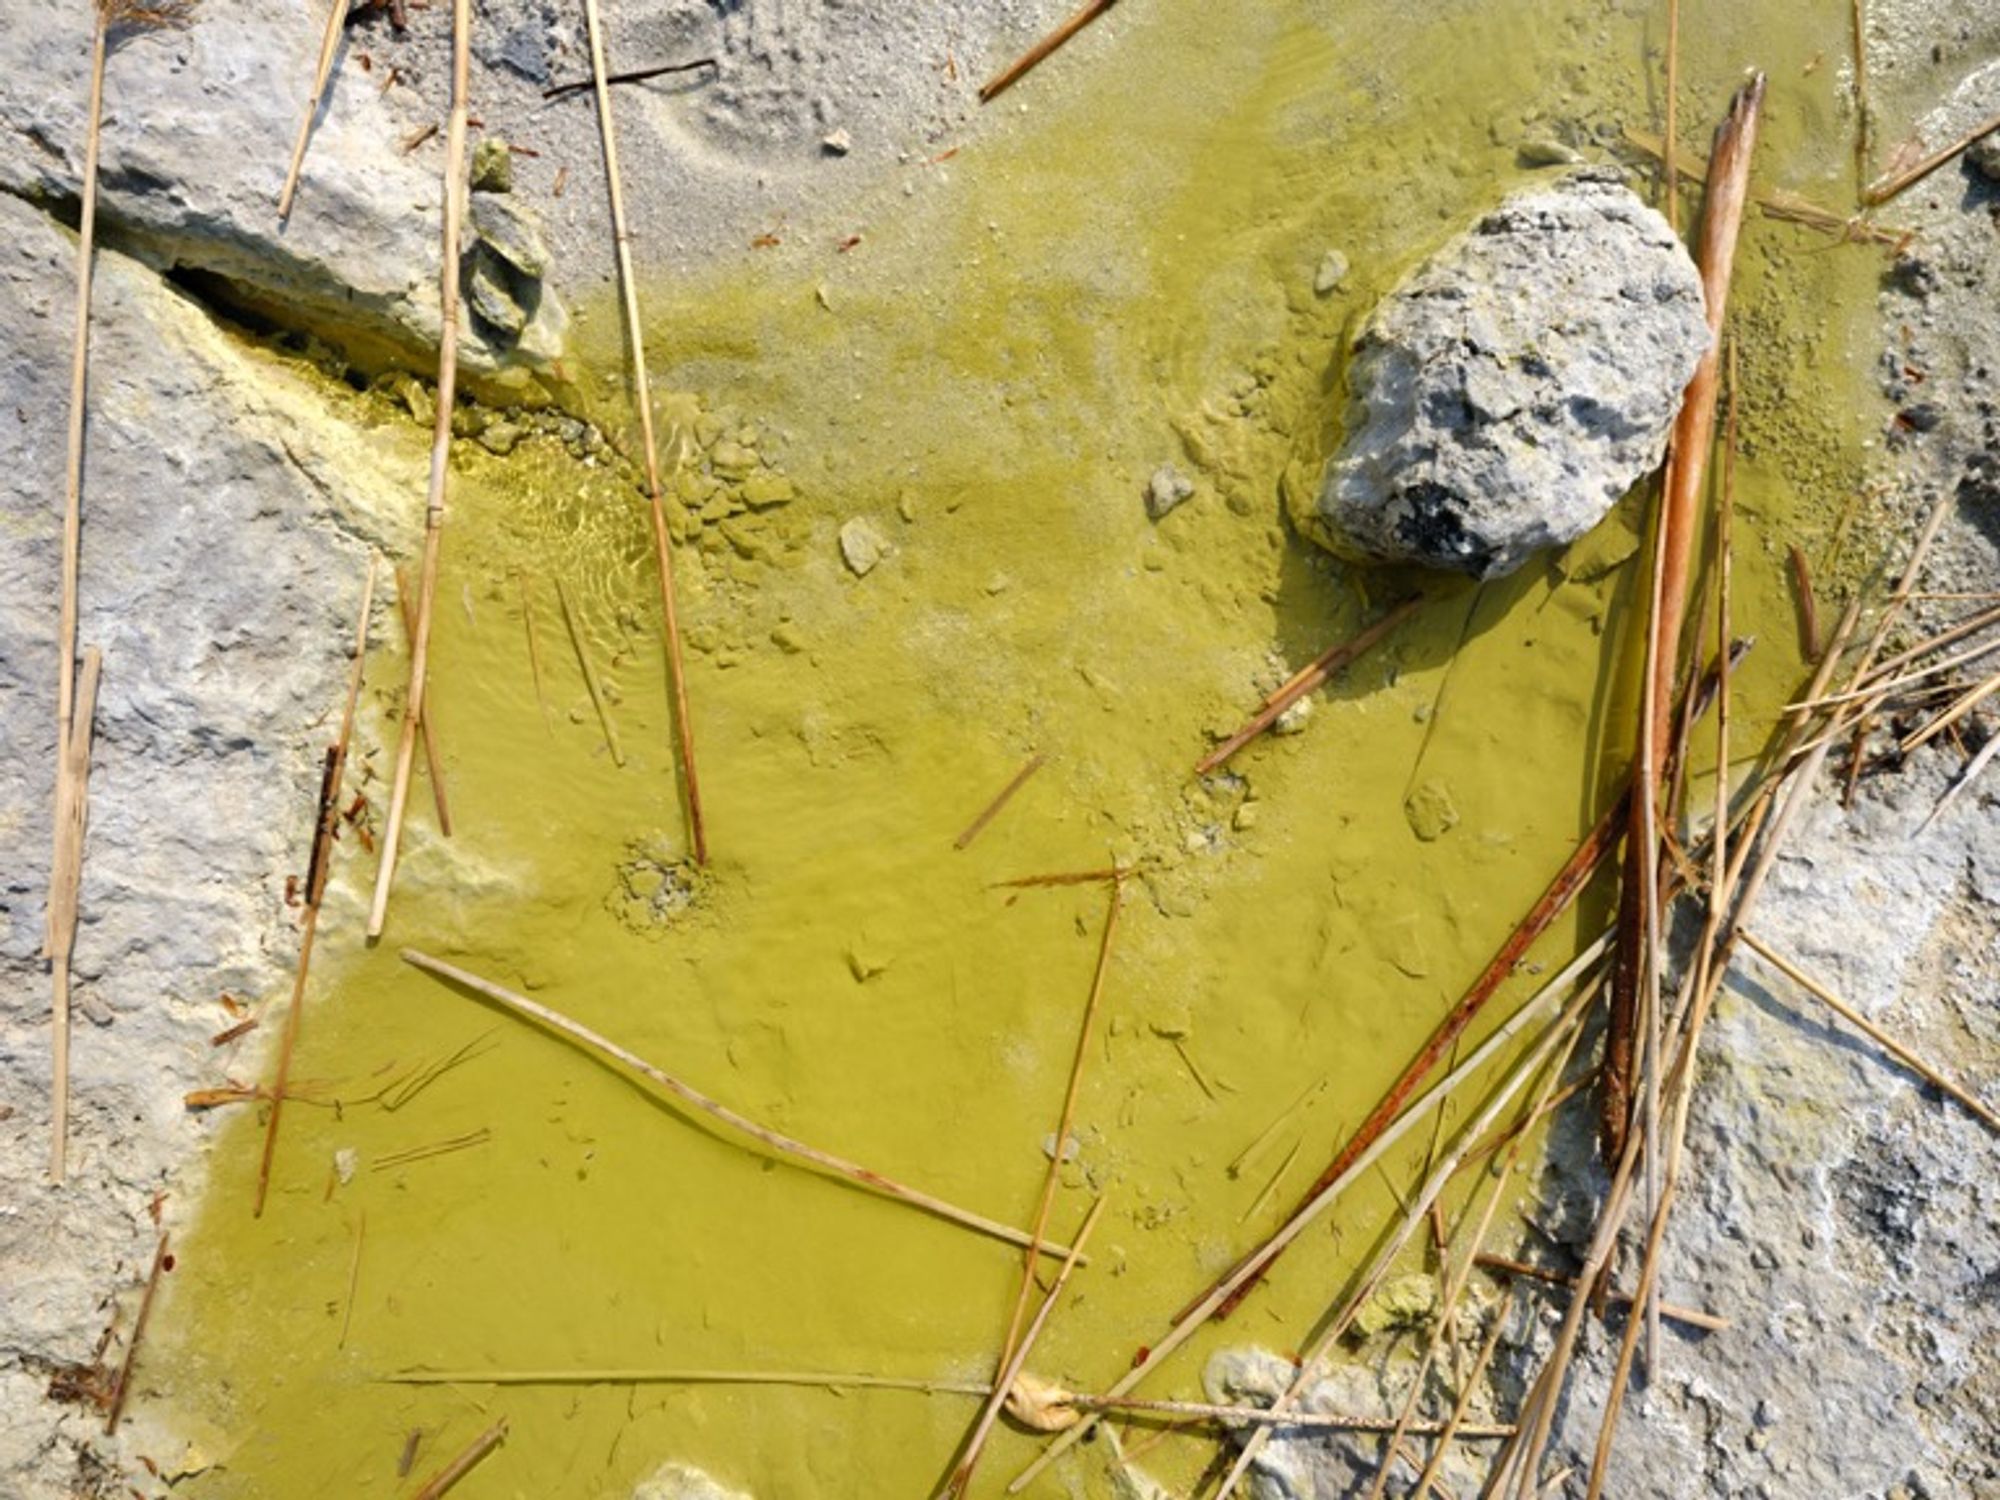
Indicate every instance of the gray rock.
{"type": "Point", "coordinates": [488, 290]}
{"type": "Point", "coordinates": [1506, 395]}
{"type": "Point", "coordinates": [1168, 488]}
{"type": "Point", "coordinates": [509, 230]}
{"type": "Point", "coordinates": [224, 605]}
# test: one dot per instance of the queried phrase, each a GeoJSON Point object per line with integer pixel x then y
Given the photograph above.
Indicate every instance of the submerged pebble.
{"type": "Point", "coordinates": [861, 547]}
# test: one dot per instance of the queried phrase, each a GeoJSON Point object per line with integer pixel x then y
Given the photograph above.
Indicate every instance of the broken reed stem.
{"type": "Point", "coordinates": [1028, 61]}
{"type": "Point", "coordinates": [1017, 1359]}
{"type": "Point", "coordinates": [1561, 1030]}
{"type": "Point", "coordinates": [992, 809]}
{"type": "Point", "coordinates": [353, 1279]}
{"type": "Point", "coordinates": [447, 1477]}
{"type": "Point", "coordinates": [425, 729]}
{"type": "Point", "coordinates": [782, 1144]}
{"type": "Point", "coordinates": [1455, 1424]}
{"type": "Point", "coordinates": [1456, 1271]}
{"type": "Point", "coordinates": [1887, 669]}
{"type": "Point", "coordinates": [1687, 464]}
{"type": "Point", "coordinates": [1553, 902]}
{"type": "Point", "coordinates": [1306, 681]}
{"type": "Point", "coordinates": [1912, 570]}
{"type": "Point", "coordinates": [630, 75]}
{"type": "Point", "coordinates": [1694, 1317]}
{"type": "Point", "coordinates": [838, 1380]}
{"type": "Point", "coordinates": [326, 821]}
{"type": "Point", "coordinates": [1065, 877]}
{"type": "Point", "coordinates": [1964, 705]}
{"type": "Point", "coordinates": [1973, 767]}
{"type": "Point", "coordinates": [1786, 208]}
{"type": "Point", "coordinates": [1064, 1122]}
{"type": "Point", "coordinates": [534, 650]}
{"type": "Point", "coordinates": [124, 1386]}
{"type": "Point", "coordinates": [420, 653]}
{"type": "Point", "coordinates": [1669, 136]}
{"type": "Point", "coordinates": [1861, 106]}
{"type": "Point", "coordinates": [1937, 1080]}
{"type": "Point", "coordinates": [65, 896]}
{"type": "Point", "coordinates": [336, 17]}
{"type": "Point", "coordinates": [1884, 188]}
{"type": "Point", "coordinates": [1253, 1264]}
{"type": "Point", "coordinates": [642, 397]}
{"type": "Point", "coordinates": [1809, 642]}
{"type": "Point", "coordinates": [596, 688]}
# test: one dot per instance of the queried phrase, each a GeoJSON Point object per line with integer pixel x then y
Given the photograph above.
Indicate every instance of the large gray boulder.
{"type": "Point", "coordinates": [1506, 395]}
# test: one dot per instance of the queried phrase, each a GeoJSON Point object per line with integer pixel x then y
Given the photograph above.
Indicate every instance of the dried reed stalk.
{"type": "Point", "coordinates": [1809, 642]}
{"type": "Point", "coordinates": [1909, 1059]}
{"type": "Point", "coordinates": [448, 1477]}
{"type": "Point", "coordinates": [1973, 767]}
{"type": "Point", "coordinates": [1962, 706]}
{"type": "Point", "coordinates": [336, 17]}
{"type": "Point", "coordinates": [1560, 1031]}
{"type": "Point", "coordinates": [65, 893]}
{"type": "Point", "coordinates": [1859, 20]}
{"type": "Point", "coordinates": [642, 397]}
{"type": "Point", "coordinates": [1786, 208]}
{"type": "Point", "coordinates": [992, 809]}
{"type": "Point", "coordinates": [1191, 1321]}
{"type": "Point", "coordinates": [1468, 1387]}
{"type": "Point", "coordinates": [1065, 1121]}
{"type": "Point", "coordinates": [1669, 136]}
{"type": "Point", "coordinates": [1306, 681]}
{"type": "Point", "coordinates": [1028, 61]}
{"type": "Point", "coordinates": [782, 1144]}
{"type": "Point", "coordinates": [1011, 1367]}
{"type": "Point", "coordinates": [326, 821]}
{"type": "Point", "coordinates": [426, 728]}
{"type": "Point", "coordinates": [598, 700]}
{"type": "Point", "coordinates": [1693, 1317]}
{"type": "Point", "coordinates": [1553, 902]}
{"type": "Point", "coordinates": [123, 1387]}
{"type": "Point", "coordinates": [420, 653]}
{"type": "Point", "coordinates": [534, 650]}
{"type": "Point", "coordinates": [1886, 187]}
{"type": "Point", "coordinates": [1722, 217]}
{"type": "Point", "coordinates": [353, 1279]}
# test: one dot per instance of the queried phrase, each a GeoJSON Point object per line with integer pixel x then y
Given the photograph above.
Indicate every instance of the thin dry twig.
{"type": "Point", "coordinates": [534, 651]}
{"type": "Point", "coordinates": [1011, 1367]}
{"type": "Point", "coordinates": [448, 1477]}
{"type": "Point", "coordinates": [1065, 1122]}
{"type": "Point", "coordinates": [598, 699]}
{"type": "Point", "coordinates": [1874, 1033]}
{"type": "Point", "coordinates": [1026, 63]}
{"type": "Point", "coordinates": [353, 1278]}
{"type": "Point", "coordinates": [782, 1144]}
{"type": "Point", "coordinates": [992, 809]}
{"type": "Point", "coordinates": [123, 1387]}
{"type": "Point", "coordinates": [426, 728]}
{"type": "Point", "coordinates": [336, 17]}
{"type": "Point", "coordinates": [434, 505]}
{"type": "Point", "coordinates": [326, 819]}
{"type": "Point", "coordinates": [1862, 108]}
{"type": "Point", "coordinates": [630, 75]}
{"type": "Point", "coordinates": [1694, 1317]}
{"type": "Point", "coordinates": [1306, 681]}
{"type": "Point", "coordinates": [65, 894]}
{"type": "Point", "coordinates": [642, 398]}
{"type": "Point", "coordinates": [1886, 187]}
{"type": "Point", "coordinates": [1809, 641]}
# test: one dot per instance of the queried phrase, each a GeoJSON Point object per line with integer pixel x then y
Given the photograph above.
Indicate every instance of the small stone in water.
{"type": "Point", "coordinates": [1166, 489]}
{"type": "Point", "coordinates": [861, 547]}
{"type": "Point", "coordinates": [1332, 272]}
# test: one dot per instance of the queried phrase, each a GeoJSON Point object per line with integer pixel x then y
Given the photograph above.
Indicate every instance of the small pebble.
{"type": "Point", "coordinates": [861, 547]}
{"type": "Point", "coordinates": [1332, 272]}
{"type": "Point", "coordinates": [837, 143]}
{"type": "Point", "coordinates": [1165, 490]}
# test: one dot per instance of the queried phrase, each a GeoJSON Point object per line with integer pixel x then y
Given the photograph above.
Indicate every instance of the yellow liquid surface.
{"type": "Point", "coordinates": [1118, 276]}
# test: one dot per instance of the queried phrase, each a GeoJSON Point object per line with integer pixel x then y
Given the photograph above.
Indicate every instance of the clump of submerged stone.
{"type": "Point", "coordinates": [1506, 394]}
